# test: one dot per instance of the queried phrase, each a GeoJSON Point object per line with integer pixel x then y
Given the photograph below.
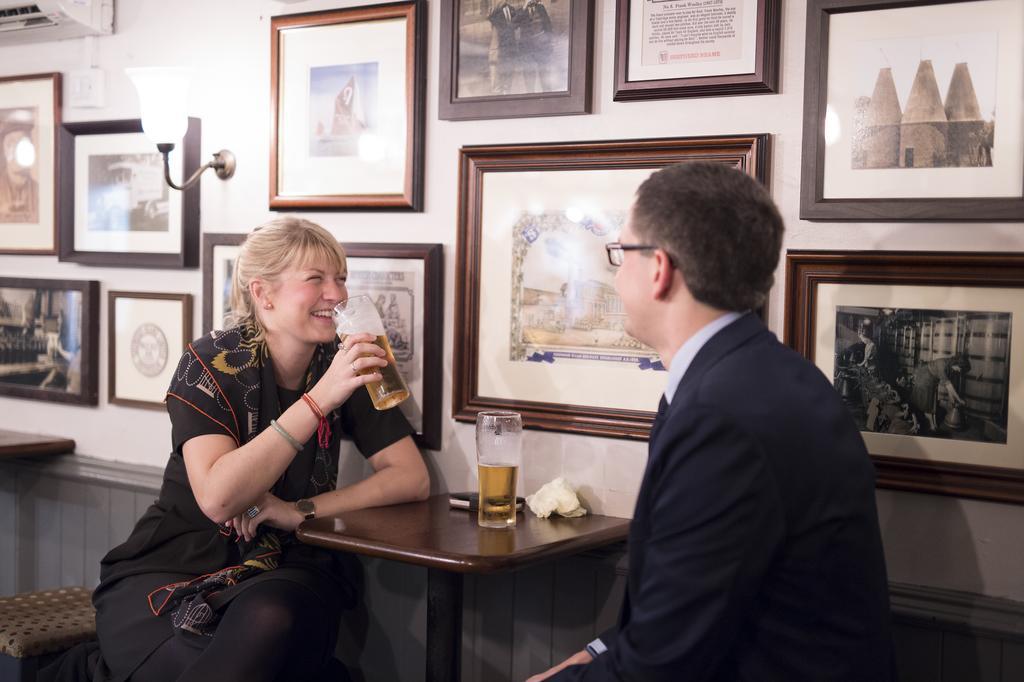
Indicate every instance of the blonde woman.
{"type": "Point", "coordinates": [212, 584]}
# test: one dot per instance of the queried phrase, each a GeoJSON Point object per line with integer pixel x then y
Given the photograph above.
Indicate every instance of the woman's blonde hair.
{"type": "Point", "coordinates": [271, 249]}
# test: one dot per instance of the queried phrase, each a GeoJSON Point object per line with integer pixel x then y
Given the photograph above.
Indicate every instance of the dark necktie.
{"type": "Point", "coordinates": [659, 419]}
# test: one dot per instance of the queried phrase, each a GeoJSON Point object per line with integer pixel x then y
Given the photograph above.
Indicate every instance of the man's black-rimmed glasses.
{"type": "Point", "coordinates": [617, 249]}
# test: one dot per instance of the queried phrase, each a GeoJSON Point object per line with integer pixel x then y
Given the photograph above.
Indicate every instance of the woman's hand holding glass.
{"type": "Point", "coordinates": [356, 354]}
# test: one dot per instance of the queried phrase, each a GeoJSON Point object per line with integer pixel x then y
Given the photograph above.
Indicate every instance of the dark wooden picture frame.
{"type": "Point", "coordinates": [172, 353]}
{"type": "Point", "coordinates": [211, 241]}
{"type": "Point", "coordinates": [813, 204]}
{"type": "Point", "coordinates": [763, 79]}
{"type": "Point", "coordinates": [187, 255]}
{"type": "Point", "coordinates": [414, 13]}
{"type": "Point", "coordinates": [47, 166]}
{"type": "Point", "coordinates": [576, 99]}
{"type": "Point", "coordinates": [748, 153]}
{"type": "Point", "coordinates": [807, 270]}
{"type": "Point", "coordinates": [432, 256]}
{"type": "Point", "coordinates": [24, 344]}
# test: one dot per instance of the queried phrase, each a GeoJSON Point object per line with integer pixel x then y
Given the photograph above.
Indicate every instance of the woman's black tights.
{"type": "Point", "coordinates": [273, 631]}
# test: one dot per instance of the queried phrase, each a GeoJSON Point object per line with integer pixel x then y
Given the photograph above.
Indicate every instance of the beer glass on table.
{"type": "Point", "coordinates": [358, 315]}
{"type": "Point", "coordinates": [499, 444]}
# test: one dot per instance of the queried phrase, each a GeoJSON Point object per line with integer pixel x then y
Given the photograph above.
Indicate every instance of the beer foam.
{"type": "Point", "coordinates": [358, 321]}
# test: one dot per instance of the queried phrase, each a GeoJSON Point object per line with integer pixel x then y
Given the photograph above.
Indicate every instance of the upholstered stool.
{"type": "Point", "coordinates": [36, 626]}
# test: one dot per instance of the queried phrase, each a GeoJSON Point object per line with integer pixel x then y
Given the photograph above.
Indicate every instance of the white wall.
{"type": "Point", "coordinates": [930, 540]}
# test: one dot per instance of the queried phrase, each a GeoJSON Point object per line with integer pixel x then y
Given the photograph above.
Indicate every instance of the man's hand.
{"type": "Point", "coordinates": [578, 658]}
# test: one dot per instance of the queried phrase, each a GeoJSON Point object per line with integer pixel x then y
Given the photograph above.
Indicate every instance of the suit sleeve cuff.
{"type": "Point", "coordinates": [596, 648]}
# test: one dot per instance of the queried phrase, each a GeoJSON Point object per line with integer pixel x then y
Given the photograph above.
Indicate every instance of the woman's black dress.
{"type": "Point", "coordinates": [220, 387]}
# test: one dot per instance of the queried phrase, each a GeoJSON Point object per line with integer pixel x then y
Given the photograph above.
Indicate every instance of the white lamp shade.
{"type": "Point", "coordinates": [163, 101]}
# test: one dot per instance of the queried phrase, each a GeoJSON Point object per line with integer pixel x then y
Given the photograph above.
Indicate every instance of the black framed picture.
{"type": "Point", "coordinates": [49, 339]}
{"type": "Point", "coordinates": [913, 111]}
{"type": "Point", "coordinates": [115, 206]}
{"type": "Point", "coordinates": [513, 58]}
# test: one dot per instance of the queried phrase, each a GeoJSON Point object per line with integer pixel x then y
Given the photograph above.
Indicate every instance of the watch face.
{"type": "Point", "coordinates": [306, 508]}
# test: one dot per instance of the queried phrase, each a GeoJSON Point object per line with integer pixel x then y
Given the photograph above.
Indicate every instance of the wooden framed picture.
{"type": "Point", "coordinates": [116, 208]}
{"type": "Point", "coordinates": [219, 253]}
{"type": "Point", "coordinates": [147, 333]}
{"type": "Point", "coordinates": [512, 58]}
{"type": "Point", "coordinates": [347, 92]}
{"type": "Point", "coordinates": [913, 111]}
{"type": "Point", "coordinates": [924, 349]}
{"type": "Point", "coordinates": [30, 109]}
{"type": "Point", "coordinates": [49, 336]}
{"type": "Point", "coordinates": [405, 281]}
{"type": "Point", "coordinates": [668, 50]}
{"type": "Point", "coordinates": [539, 325]}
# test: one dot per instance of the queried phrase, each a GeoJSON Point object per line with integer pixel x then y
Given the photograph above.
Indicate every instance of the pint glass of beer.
{"type": "Point", "coordinates": [499, 444]}
{"type": "Point", "coordinates": [358, 315]}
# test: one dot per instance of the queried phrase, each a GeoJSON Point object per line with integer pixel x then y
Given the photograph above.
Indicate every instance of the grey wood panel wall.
{"type": "Point", "coordinates": [62, 515]}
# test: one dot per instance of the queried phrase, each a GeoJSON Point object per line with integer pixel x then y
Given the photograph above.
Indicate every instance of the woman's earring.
{"type": "Point", "coordinates": [268, 306]}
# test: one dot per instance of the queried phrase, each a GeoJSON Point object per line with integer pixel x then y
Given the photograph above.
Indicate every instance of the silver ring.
{"type": "Point", "coordinates": [252, 512]}
{"type": "Point", "coordinates": [354, 370]}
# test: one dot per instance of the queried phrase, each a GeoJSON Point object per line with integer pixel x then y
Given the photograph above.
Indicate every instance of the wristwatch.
{"type": "Point", "coordinates": [306, 508]}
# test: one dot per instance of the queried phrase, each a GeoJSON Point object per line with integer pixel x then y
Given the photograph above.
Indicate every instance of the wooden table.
{"type": "Point", "coordinates": [449, 543]}
{"type": "Point", "coordinates": [18, 444]}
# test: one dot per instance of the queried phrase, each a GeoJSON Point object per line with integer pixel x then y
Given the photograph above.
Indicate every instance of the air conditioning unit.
{"type": "Point", "coordinates": [37, 21]}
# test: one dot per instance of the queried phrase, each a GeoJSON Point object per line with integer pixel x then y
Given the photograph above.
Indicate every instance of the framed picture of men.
{"type": "Point", "coordinates": [146, 334]}
{"type": "Point", "coordinates": [913, 111]}
{"type": "Point", "coordinates": [49, 336]}
{"type": "Point", "coordinates": [30, 109]}
{"type": "Point", "coordinates": [513, 58]}
{"type": "Point", "coordinates": [923, 347]}
{"type": "Point", "coordinates": [116, 207]}
{"type": "Point", "coordinates": [347, 92]}
{"type": "Point", "coordinates": [219, 253]}
{"type": "Point", "coordinates": [405, 283]}
{"type": "Point", "coordinates": [539, 324]}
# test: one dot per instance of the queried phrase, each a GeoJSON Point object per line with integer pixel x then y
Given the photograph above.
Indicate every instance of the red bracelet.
{"type": "Point", "coordinates": [323, 429]}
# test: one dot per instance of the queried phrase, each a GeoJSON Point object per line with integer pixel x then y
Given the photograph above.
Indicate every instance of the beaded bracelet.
{"type": "Point", "coordinates": [323, 429]}
{"type": "Point", "coordinates": [287, 436]}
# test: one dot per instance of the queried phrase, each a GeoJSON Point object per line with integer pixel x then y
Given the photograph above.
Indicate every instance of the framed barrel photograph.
{"type": "Point", "coordinates": [924, 349]}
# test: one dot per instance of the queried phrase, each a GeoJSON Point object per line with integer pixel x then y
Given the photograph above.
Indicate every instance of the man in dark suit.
{"type": "Point", "coordinates": [754, 551]}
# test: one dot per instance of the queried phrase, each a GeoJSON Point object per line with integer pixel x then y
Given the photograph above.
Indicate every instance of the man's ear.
{"type": "Point", "coordinates": [664, 274]}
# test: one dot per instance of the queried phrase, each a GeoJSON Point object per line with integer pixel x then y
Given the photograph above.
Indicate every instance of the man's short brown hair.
{"type": "Point", "coordinates": [720, 227]}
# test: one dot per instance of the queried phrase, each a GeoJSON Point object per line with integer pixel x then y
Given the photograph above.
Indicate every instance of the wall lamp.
{"type": "Point", "coordinates": [163, 100]}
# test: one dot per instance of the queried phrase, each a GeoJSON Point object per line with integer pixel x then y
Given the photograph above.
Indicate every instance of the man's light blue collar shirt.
{"type": "Point", "coordinates": [688, 351]}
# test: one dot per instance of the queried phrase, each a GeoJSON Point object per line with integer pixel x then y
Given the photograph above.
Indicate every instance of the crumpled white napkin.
{"type": "Point", "coordinates": [555, 496]}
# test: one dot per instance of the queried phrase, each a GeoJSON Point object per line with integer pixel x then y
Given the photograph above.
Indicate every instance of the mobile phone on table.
{"type": "Point", "coordinates": [471, 501]}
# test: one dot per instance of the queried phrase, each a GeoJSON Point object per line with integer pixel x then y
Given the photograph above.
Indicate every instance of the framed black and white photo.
{"type": "Point", "coordinates": [116, 208]}
{"type": "Point", "coordinates": [219, 253]}
{"type": "Point", "coordinates": [924, 350]}
{"type": "Point", "coordinates": [347, 90]}
{"type": "Point", "coordinates": [914, 111]}
{"type": "Point", "coordinates": [667, 50]}
{"type": "Point", "coordinates": [512, 58]}
{"type": "Point", "coordinates": [539, 325]}
{"type": "Point", "coordinates": [30, 108]}
{"type": "Point", "coordinates": [49, 336]}
{"type": "Point", "coordinates": [147, 333]}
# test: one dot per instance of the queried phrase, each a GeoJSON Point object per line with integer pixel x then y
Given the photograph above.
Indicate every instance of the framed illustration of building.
{"type": "Point", "coordinates": [539, 326]}
{"type": "Point", "coordinates": [405, 281]}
